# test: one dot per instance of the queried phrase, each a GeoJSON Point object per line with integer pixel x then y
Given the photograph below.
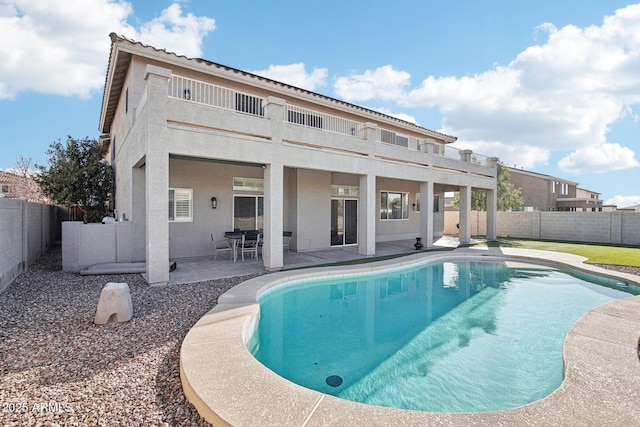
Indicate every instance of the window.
{"type": "Point", "coordinates": [248, 184]}
{"type": "Point", "coordinates": [345, 190]}
{"type": "Point", "coordinates": [564, 189]}
{"type": "Point", "coordinates": [5, 189]}
{"type": "Point", "coordinates": [553, 186]}
{"type": "Point", "coordinates": [180, 204]}
{"type": "Point", "coordinates": [394, 205]}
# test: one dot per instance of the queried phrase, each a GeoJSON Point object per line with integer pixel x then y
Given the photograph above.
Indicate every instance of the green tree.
{"type": "Point", "coordinates": [508, 198]}
{"type": "Point", "coordinates": [78, 175]}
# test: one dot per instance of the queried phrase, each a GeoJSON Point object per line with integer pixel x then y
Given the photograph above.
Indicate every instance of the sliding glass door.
{"type": "Point", "coordinates": [344, 222]}
{"type": "Point", "coordinates": [248, 212]}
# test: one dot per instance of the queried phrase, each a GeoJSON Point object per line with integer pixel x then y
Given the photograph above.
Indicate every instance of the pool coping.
{"type": "Point", "coordinates": [228, 386]}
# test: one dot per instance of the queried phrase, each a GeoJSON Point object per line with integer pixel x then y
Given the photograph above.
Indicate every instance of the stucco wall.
{"type": "Point", "coordinates": [27, 230]}
{"type": "Point", "coordinates": [84, 245]}
{"type": "Point", "coordinates": [598, 227]}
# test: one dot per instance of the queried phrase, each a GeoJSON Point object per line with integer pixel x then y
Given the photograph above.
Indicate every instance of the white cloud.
{"type": "Point", "coordinates": [177, 33]}
{"type": "Point", "coordinates": [295, 75]}
{"type": "Point", "coordinates": [62, 47]}
{"type": "Point", "coordinates": [560, 95]}
{"type": "Point", "coordinates": [382, 83]}
{"type": "Point", "coordinates": [623, 201]}
{"type": "Point", "coordinates": [599, 159]}
{"type": "Point", "coordinates": [512, 155]}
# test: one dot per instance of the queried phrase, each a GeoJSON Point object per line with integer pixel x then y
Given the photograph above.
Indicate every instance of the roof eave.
{"type": "Point", "coordinates": [118, 50]}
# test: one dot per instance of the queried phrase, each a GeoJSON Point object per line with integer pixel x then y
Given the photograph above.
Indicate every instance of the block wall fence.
{"type": "Point", "coordinates": [616, 228]}
{"type": "Point", "coordinates": [27, 230]}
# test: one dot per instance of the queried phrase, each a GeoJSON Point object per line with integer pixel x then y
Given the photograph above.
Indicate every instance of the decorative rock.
{"type": "Point", "coordinates": [115, 304]}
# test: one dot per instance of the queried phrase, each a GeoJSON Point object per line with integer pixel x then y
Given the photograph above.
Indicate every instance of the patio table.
{"type": "Point", "coordinates": [235, 238]}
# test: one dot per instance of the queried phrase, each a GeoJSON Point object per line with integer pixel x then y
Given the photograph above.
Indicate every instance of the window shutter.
{"type": "Point", "coordinates": [183, 205]}
{"type": "Point", "coordinates": [171, 204]}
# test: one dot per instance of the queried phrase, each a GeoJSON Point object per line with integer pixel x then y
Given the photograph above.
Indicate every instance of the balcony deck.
{"type": "Point", "coordinates": [207, 94]}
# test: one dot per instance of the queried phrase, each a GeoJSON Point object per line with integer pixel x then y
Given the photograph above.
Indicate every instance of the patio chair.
{"type": "Point", "coordinates": [286, 239]}
{"type": "Point", "coordinates": [221, 248]}
{"type": "Point", "coordinates": [249, 244]}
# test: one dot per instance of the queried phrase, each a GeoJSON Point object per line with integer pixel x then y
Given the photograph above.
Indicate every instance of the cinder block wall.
{"type": "Point", "coordinates": [618, 228]}
{"type": "Point", "coordinates": [27, 230]}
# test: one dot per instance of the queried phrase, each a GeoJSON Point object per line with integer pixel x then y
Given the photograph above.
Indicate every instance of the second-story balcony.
{"type": "Point", "coordinates": [204, 93]}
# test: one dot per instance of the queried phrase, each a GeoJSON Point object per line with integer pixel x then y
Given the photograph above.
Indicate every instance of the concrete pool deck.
{"type": "Point", "coordinates": [229, 386]}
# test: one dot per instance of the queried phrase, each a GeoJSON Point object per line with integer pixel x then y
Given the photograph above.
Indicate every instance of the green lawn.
{"type": "Point", "coordinates": [596, 254]}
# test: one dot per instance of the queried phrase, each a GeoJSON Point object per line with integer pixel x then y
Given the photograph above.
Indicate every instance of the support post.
{"type": "Point", "coordinates": [464, 232]}
{"type": "Point", "coordinates": [426, 213]}
{"type": "Point", "coordinates": [156, 177]}
{"type": "Point", "coordinates": [367, 216]}
{"type": "Point", "coordinates": [273, 216]}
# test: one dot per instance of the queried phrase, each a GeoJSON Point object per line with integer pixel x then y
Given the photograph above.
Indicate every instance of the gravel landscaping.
{"type": "Point", "coordinates": [58, 368]}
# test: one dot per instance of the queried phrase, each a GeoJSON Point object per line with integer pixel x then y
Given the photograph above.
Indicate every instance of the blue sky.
{"type": "Point", "coordinates": [548, 86]}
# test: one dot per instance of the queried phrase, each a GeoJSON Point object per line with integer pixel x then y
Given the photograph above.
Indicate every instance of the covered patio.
{"type": "Point", "coordinates": [198, 269]}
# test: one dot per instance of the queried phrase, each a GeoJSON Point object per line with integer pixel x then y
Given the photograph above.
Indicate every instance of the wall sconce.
{"type": "Point", "coordinates": [413, 205]}
{"type": "Point", "coordinates": [214, 203]}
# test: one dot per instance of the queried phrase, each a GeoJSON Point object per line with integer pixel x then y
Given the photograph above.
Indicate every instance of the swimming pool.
{"type": "Point", "coordinates": [454, 336]}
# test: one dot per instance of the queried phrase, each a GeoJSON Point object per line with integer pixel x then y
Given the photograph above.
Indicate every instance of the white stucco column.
{"type": "Point", "coordinates": [156, 176]}
{"type": "Point", "coordinates": [426, 213]}
{"type": "Point", "coordinates": [274, 188]}
{"type": "Point", "coordinates": [367, 215]}
{"type": "Point", "coordinates": [273, 216]}
{"type": "Point", "coordinates": [492, 207]}
{"type": "Point", "coordinates": [492, 204]}
{"type": "Point", "coordinates": [464, 233]}
{"type": "Point", "coordinates": [157, 219]}
{"type": "Point", "coordinates": [274, 108]}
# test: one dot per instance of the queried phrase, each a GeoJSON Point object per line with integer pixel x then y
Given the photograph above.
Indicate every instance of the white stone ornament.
{"type": "Point", "coordinates": [115, 304]}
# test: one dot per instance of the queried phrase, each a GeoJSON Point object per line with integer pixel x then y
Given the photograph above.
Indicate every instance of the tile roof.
{"type": "Point", "coordinates": [119, 70]}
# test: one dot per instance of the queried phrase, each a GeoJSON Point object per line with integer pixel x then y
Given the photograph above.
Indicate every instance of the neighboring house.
{"type": "Point", "coordinates": [199, 148]}
{"type": "Point", "coordinates": [609, 208]}
{"type": "Point", "coordinates": [632, 208]}
{"type": "Point", "coordinates": [548, 193]}
{"type": "Point", "coordinates": [585, 201]}
{"type": "Point", "coordinates": [13, 186]}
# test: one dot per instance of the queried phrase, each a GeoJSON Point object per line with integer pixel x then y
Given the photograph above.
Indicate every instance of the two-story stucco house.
{"type": "Point", "coordinates": [549, 193]}
{"type": "Point", "coordinates": [199, 148]}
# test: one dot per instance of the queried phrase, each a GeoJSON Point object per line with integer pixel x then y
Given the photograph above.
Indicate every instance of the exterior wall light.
{"type": "Point", "coordinates": [214, 203]}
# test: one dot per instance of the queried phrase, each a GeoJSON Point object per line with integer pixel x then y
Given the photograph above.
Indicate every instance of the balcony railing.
{"type": "Point", "coordinates": [457, 154]}
{"type": "Point", "coordinates": [216, 96]}
{"type": "Point", "coordinates": [324, 121]}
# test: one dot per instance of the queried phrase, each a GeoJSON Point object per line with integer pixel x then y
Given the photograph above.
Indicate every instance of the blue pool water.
{"type": "Point", "coordinates": [460, 336]}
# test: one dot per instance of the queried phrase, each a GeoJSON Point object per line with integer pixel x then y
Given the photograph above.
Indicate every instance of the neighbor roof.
{"type": "Point", "coordinates": [123, 48]}
{"type": "Point", "coordinates": [542, 175]}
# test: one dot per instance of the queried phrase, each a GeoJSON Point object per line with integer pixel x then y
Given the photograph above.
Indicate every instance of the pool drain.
{"type": "Point", "coordinates": [334, 380]}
